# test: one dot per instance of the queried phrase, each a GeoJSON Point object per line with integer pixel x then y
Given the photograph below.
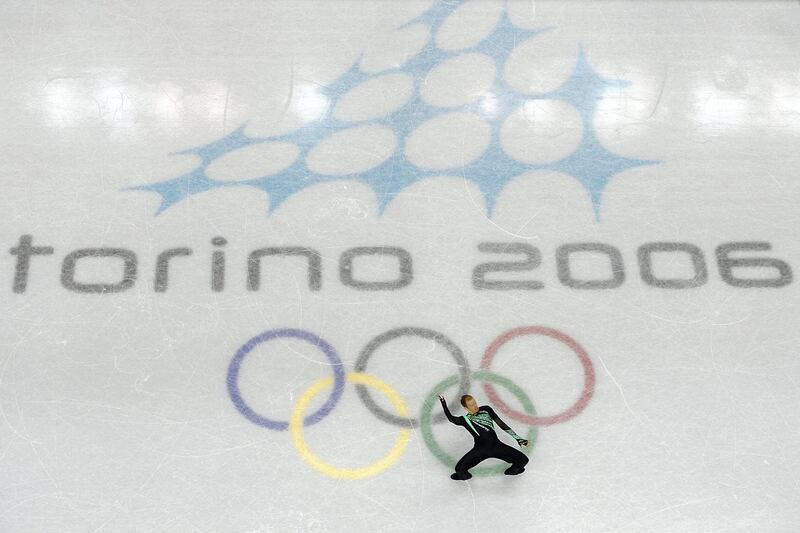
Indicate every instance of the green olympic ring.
{"type": "Point", "coordinates": [480, 375]}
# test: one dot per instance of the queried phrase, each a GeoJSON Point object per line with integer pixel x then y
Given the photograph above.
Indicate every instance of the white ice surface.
{"type": "Point", "coordinates": [114, 410]}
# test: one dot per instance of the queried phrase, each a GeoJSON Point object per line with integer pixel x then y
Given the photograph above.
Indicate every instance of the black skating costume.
{"type": "Point", "coordinates": [487, 444]}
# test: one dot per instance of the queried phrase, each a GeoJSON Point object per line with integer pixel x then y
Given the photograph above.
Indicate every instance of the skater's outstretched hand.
{"type": "Point", "coordinates": [523, 442]}
{"type": "Point", "coordinates": [453, 420]}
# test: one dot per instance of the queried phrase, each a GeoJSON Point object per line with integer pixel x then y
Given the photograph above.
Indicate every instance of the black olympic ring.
{"type": "Point", "coordinates": [366, 353]}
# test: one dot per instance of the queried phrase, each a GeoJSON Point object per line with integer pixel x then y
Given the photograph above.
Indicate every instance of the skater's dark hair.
{"type": "Point", "coordinates": [464, 399]}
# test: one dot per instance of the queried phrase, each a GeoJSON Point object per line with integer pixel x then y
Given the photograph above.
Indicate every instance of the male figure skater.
{"type": "Point", "coordinates": [478, 422]}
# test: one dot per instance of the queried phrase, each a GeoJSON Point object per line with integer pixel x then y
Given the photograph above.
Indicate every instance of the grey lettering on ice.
{"type": "Point", "coordinates": [24, 251]}
{"type": "Point", "coordinates": [646, 267]}
{"type": "Point", "coordinates": [346, 267]}
{"type": "Point", "coordinates": [128, 278]}
{"type": "Point", "coordinates": [726, 264]}
{"type": "Point", "coordinates": [314, 265]}
{"type": "Point", "coordinates": [563, 253]}
{"type": "Point", "coordinates": [533, 259]}
{"type": "Point", "coordinates": [218, 265]}
{"type": "Point", "coordinates": [162, 266]}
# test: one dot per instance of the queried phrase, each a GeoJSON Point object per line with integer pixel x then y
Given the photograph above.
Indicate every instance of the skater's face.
{"type": "Point", "coordinates": [471, 405]}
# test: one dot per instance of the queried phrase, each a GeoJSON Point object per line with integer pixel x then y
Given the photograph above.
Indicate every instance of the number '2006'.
{"type": "Point", "coordinates": [727, 263]}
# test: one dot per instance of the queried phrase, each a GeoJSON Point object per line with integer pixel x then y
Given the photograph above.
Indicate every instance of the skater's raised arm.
{"type": "Point", "coordinates": [455, 420]}
{"type": "Point", "coordinates": [504, 426]}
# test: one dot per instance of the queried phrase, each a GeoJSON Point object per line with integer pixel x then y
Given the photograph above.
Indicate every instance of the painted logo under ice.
{"type": "Point", "coordinates": [590, 163]}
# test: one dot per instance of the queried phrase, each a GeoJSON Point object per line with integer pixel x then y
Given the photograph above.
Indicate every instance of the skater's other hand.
{"type": "Point", "coordinates": [524, 442]}
{"type": "Point", "coordinates": [441, 397]}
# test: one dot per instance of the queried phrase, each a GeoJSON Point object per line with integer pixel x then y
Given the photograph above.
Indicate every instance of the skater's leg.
{"type": "Point", "coordinates": [470, 459]}
{"type": "Point", "coordinates": [508, 454]}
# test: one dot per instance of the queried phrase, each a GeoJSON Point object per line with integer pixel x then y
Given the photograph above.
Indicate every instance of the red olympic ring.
{"type": "Point", "coordinates": [588, 376]}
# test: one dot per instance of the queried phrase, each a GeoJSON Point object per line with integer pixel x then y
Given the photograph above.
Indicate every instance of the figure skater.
{"type": "Point", "coordinates": [478, 421]}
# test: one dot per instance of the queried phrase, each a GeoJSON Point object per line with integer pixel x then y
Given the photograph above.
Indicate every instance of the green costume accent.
{"type": "Point", "coordinates": [466, 418]}
{"type": "Point", "coordinates": [484, 419]}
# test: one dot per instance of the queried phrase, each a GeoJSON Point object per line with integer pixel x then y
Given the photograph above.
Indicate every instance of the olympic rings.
{"type": "Point", "coordinates": [233, 377]}
{"type": "Point", "coordinates": [588, 376]}
{"type": "Point", "coordinates": [480, 375]}
{"type": "Point", "coordinates": [364, 380]}
{"type": "Point", "coordinates": [295, 427]}
{"type": "Point", "coordinates": [366, 353]}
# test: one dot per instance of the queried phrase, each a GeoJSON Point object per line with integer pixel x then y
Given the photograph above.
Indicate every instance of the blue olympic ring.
{"type": "Point", "coordinates": [322, 412]}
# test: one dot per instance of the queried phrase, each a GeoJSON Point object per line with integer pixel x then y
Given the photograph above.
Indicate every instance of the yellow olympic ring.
{"type": "Point", "coordinates": [296, 428]}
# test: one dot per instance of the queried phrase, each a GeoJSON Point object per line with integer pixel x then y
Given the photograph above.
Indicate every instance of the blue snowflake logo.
{"type": "Point", "coordinates": [590, 163]}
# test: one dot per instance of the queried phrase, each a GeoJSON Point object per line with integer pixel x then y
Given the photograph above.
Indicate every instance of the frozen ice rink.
{"type": "Point", "coordinates": [245, 245]}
